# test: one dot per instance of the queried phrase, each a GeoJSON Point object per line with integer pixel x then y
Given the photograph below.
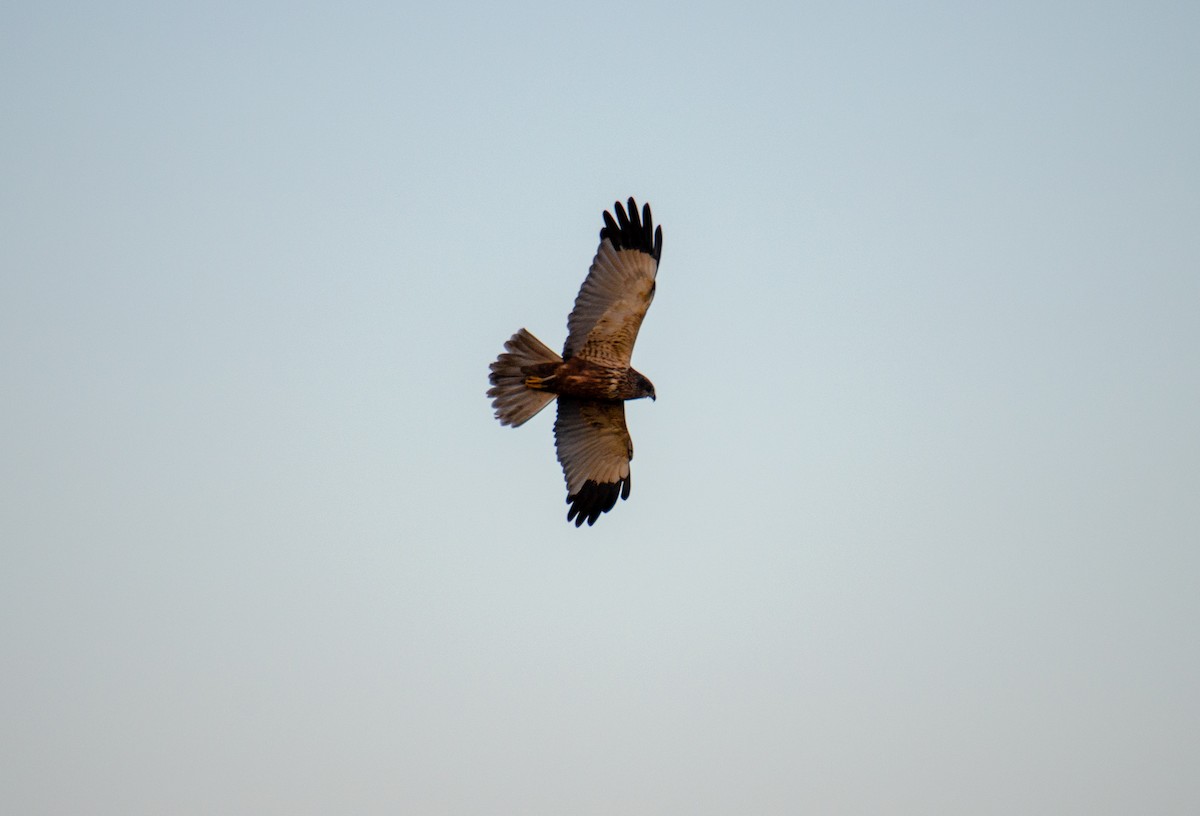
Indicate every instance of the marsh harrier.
{"type": "Point", "coordinates": [593, 377]}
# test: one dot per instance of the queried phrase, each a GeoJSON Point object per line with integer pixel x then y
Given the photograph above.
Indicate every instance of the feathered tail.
{"type": "Point", "coordinates": [516, 404]}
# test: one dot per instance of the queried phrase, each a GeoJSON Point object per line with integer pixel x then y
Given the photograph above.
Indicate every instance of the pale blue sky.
{"type": "Point", "coordinates": [914, 525]}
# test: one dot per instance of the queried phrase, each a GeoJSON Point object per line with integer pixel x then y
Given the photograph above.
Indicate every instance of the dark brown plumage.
{"type": "Point", "coordinates": [593, 378]}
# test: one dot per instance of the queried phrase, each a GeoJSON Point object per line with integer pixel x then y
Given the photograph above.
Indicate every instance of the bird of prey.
{"type": "Point", "coordinates": [593, 377]}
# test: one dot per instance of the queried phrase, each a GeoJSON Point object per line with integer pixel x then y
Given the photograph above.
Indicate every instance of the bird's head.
{"type": "Point", "coordinates": [646, 387]}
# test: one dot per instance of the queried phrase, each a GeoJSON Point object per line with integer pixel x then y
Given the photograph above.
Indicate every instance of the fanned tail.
{"type": "Point", "coordinates": [515, 403]}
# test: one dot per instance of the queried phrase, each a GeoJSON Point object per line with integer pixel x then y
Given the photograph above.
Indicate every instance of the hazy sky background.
{"type": "Point", "coordinates": [915, 524]}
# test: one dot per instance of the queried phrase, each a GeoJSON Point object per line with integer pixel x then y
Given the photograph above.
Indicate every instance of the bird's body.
{"type": "Point", "coordinates": [579, 377]}
{"type": "Point", "coordinates": [593, 378]}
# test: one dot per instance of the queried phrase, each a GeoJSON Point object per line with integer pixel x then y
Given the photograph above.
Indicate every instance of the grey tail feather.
{"type": "Point", "coordinates": [516, 404]}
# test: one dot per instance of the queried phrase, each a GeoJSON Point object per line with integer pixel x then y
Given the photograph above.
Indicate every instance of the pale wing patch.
{"type": "Point", "coordinates": [593, 442]}
{"type": "Point", "coordinates": [610, 306]}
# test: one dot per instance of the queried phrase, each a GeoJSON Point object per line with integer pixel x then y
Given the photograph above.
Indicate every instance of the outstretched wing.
{"type": "Point", "coordinates": [614, 297]}
{"type": "Point", "coordinates": [594, 449]}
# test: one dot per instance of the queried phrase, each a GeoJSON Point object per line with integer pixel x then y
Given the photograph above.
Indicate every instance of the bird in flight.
{"type": "Point", "coordinates": [593, 377]}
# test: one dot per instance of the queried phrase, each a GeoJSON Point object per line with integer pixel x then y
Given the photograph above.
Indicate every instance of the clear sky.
{"type": "Point", "coordinates": [915, 523]}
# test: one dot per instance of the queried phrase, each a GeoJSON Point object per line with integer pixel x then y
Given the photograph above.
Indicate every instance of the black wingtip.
{"type": "Point", "coordinates": [595, 498]}
{"type": "Point", "coordinates": [633, 230]}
